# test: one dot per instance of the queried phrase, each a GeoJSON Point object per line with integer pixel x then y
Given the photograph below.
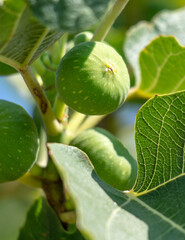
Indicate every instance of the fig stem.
{"type": "Point", "coordinates": [109, 19]}
{"type": "Point", "coordinates": [136, 93]}
{"type": "Point", "coordinates": [54, 53]}
{"type": "Point", "coordinates": [59, 105]}
{"type": "Point", "coordinates": [75, 121]}
{"type": "Point", "coordinates": [30, 180]}
{"type": "Point", "coordinates": [68, 217]}
{"type": "Point", "coordinates": [63, 44]}
{"type": "Point", "coordinates": [90, 121]}
{"type": "Point", "coordinates": [59, 108]}
{"type": "Point", "coordinates": [53, 127]}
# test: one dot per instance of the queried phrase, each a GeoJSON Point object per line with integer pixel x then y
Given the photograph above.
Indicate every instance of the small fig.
{"type": "Point", "coordinates": [18, 141]}
{"type": "Point", "coordinates": [83, 37]}
{"type": "Point", "coordinates": [92, 78]}
{"type": "Point", "coordinates": [111, 160]}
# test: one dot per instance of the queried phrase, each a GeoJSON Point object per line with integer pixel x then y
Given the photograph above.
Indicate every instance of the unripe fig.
{"type": "Point", "coordinates": [92, 78]}
{"type": "Point", "coordinates": [83, 37]}
{"type": "Point", "coordinates": [110, 158]}
{"type": "Point", "coordinates": [18, 141]}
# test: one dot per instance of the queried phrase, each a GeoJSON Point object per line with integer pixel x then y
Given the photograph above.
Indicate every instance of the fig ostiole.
{"type": "Point", "coordinates": [111, 160]}
{"type": "Point", "coordinates": [18, 141]}
{"type": "Point", "coordinates": [92, 79]}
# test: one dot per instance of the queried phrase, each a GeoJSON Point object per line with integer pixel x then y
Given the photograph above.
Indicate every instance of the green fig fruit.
{"type": "Point", "coordinates": [83, 37]}
{"type": "Point", "coordinates": [18, 141]}
{"type": "Point", "coordinates": [92, 78]}
{"type": "Point", "coordinates": [111, 160]}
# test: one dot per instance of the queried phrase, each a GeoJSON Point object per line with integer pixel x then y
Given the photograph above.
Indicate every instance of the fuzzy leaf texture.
{"type": "Point", "coordinates": [23, 37]}
{"type": "Point", "coordinates": [154, 209]}
{"type": "Point", "coordinates": [69, 15]}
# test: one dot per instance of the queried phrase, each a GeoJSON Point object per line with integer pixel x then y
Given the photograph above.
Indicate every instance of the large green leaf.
{"type": "Point", "coordinates": [23, 38]}
{"type": "Point", "coordinates": [154, 208]}
{"type": "Point", "coordinates": [163, 57]}
{"type": "Point", "coordinates": [106, 213]}
{"type": "Point", "coordinates": [43, 224]}
{"type": "Point", "coordinates": [162, 67]}
{"type": "Point", "coordinates": [160, 140]}
{"type": "Point", "coordinates": [18, 141]}
{"type": "Point", "coordinates": [69, 15]}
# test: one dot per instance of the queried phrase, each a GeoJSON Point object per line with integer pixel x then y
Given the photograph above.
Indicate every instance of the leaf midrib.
{"type": "Point", "coordinates": [158, 186]}
{"type": "Point", "coordinates": [14, 63]}
{"type": "Point", "coordinates": [168, 220]}
{"type": "Point", "coordinates": [157, 75]}
{"type": "Point", "coordinates": [158, 144]}
{"type": "Point", "coordinates": [14, 28]}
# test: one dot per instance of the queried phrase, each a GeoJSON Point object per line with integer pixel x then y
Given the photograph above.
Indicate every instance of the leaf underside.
{"type": "Point", "coordinates": [69, 15]}
{"type": "Point", "coordinates": [24, 38]}
{"type": "Point", "coordinates": [154, 208]}
{"type": "Point", "coordinates": [114, 214]}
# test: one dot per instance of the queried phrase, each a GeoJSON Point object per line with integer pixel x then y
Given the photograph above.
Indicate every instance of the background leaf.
{"type": "Point", "coordinates": [106, 213]}
{"type": "Point", "coordinates": [24, 38]}
{"type": "Point", "coordinates": [15, 200]}
{"type": "Point", "coordinates": [42, 223]}
{"type": "Point", "coordinates": [69, 15]}
{"type": "Point", "coordinates": [162, 67]}
{"type": "Point", "coordinates": [138, 37]}
{"type": "Point", "coordinates": [160, 140]}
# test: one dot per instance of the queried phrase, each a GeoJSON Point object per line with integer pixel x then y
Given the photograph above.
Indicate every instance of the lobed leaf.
{"type": "Point", "coordinates": [23, 38]}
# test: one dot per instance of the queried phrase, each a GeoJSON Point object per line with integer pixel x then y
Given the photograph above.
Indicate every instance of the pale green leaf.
{"type": "Point", "coordinates": [138, 37]}
{"type": "Point", "coordinates": [23, 38]}
{"type": "Point", "coordinates": [168, 22]}
{"type": "Point", "coordinates": [69, 15]}
{"type": "Point", "coordinates": [106, 213]}
{"type": "Point", "coordinates": [160, 141]}
{"type": "Point", "coordinates": [161, 60]}
{"type": "Point", "coordinates": [162, 67]}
